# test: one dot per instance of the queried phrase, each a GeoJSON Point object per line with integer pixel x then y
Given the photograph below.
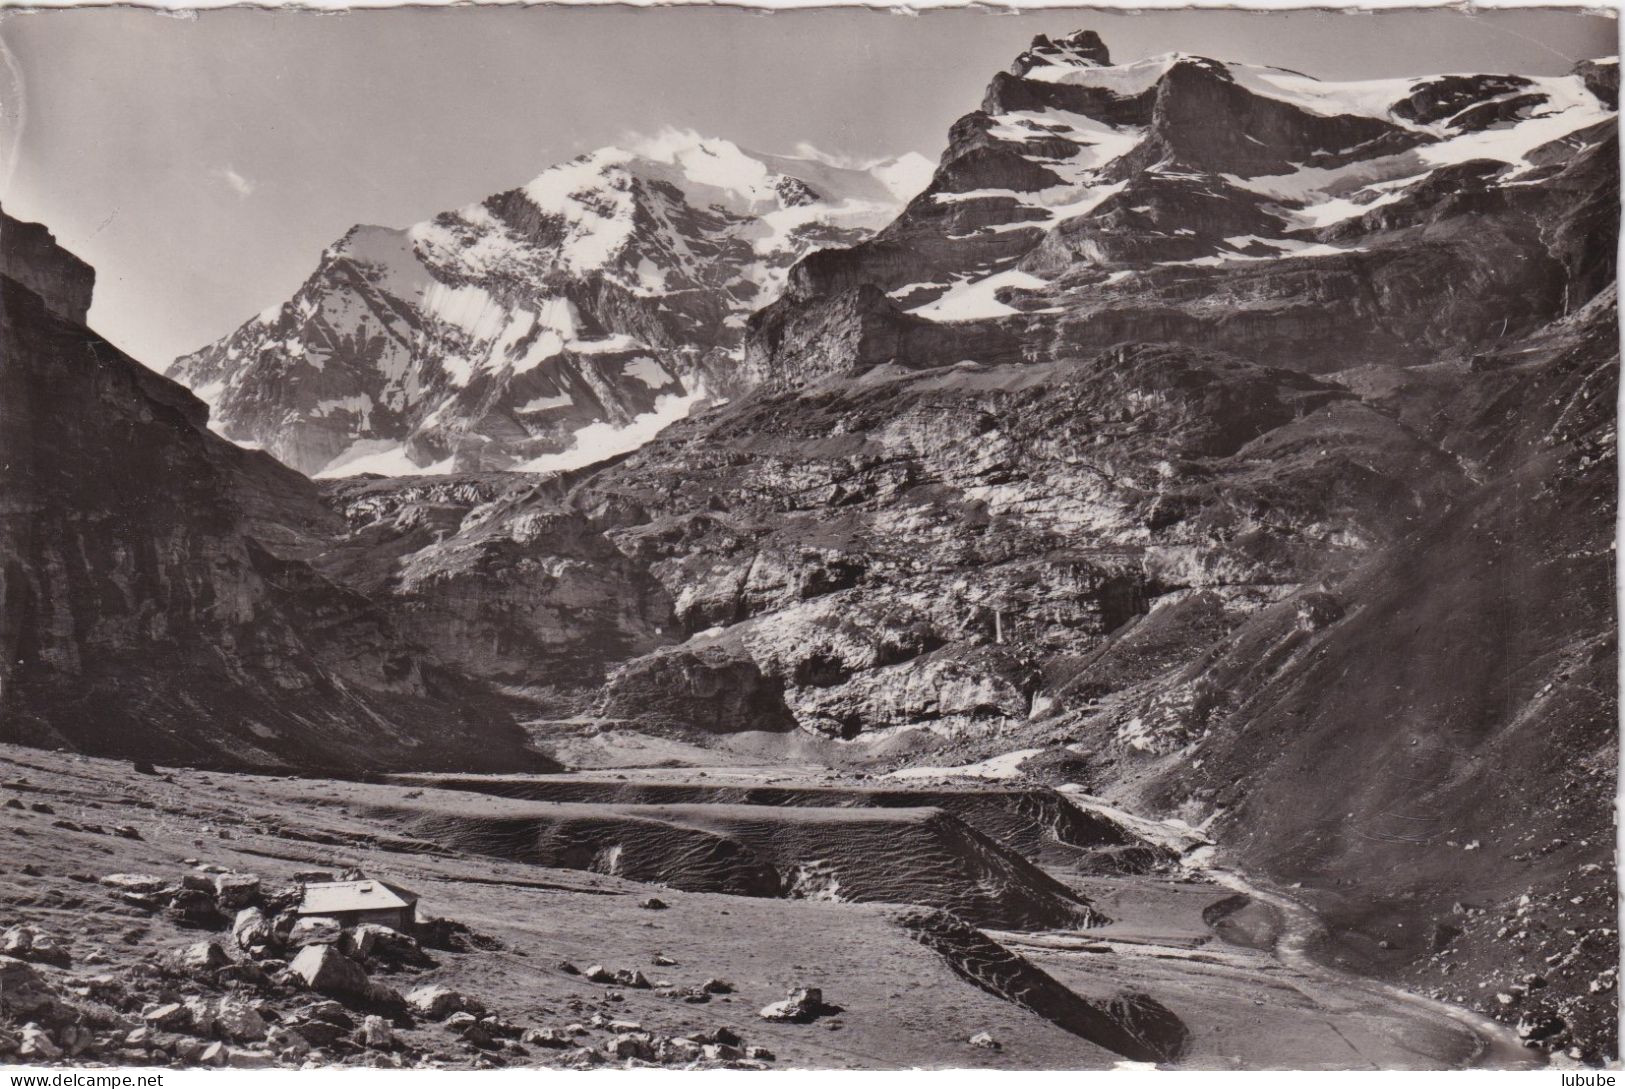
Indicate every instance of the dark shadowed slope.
{"type": "Point", "coordinates": [153, 606]}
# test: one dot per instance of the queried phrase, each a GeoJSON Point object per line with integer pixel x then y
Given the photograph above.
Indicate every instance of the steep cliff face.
{"type": "Point", "coordinates": [1463, 685]}
{"type": "Point", "coordinates": [543, 328]}
{"type": "Point", "coordinates": [936, 547]}
{"type": "Point", "coordinates": [155, 606]}
{"type": "Point", "coordinates": [1300, 223]}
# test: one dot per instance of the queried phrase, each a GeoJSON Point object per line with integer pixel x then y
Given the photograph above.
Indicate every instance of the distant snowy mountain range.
{"type": "Point", "coordinates": [545, 327]}
{"type": "Point", "coordinates": [1085, 203]}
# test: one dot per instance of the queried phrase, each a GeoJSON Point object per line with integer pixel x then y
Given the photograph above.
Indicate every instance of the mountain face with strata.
{"type": "Point", "coordinates": [544, 327]}
{"type": "Point", "coordinates": [1308, 225]}
{"type": "Point", "coordinates": [158, 602]}
{"type": "Point", "coordinates": [1201, 431]}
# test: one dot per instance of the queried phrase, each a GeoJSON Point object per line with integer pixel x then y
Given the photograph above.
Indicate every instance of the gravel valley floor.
{"type": "Point", "coordinates": [1186, 971]}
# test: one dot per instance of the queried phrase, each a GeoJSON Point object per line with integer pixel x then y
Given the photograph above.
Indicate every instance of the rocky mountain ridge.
{"type": "Point", "coordinates": [1297, 222]}
{"type": "Point", "coordinates": [544, 327]}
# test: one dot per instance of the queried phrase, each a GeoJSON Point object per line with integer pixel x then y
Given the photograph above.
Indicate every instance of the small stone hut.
{"type": "Point", "coordinates": [366, 901]}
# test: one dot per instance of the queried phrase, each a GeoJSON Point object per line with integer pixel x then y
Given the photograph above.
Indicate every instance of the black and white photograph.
{"type": "Point", "coordinates": [697, 538]}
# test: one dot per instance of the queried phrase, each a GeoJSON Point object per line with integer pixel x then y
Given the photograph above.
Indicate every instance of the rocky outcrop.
{"type": "Point", "coordinates": [1135, 1026]}
{"type": "Point", "coordinates": [136, 548]}
{"type": "Point", "coordinates": [30, 256]}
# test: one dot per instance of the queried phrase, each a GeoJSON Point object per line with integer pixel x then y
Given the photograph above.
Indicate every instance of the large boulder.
{"type": "Point", "coordinates": [324, 969]}
{"type": "Point", "coordinates": [195, 909]}
{"type": "Point", "coordinates": [168, 1016]}
{"type": "Point", "coordinates": [631, 1045]}
{"type": "Point", "coordinates": [376, 1033]}
{"type": "Point", "coordinates": [370, 940]}
{"type": "Point", "coordinates": [36, 1043]}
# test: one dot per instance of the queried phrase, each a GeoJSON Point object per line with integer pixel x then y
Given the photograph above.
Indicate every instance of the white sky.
{"type": "Point", "coordinates": [201, 164]}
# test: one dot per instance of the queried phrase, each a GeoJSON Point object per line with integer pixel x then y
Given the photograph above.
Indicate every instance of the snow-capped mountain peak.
{"type": "Point", "coordinates": [1083, 191]}
{"type": "Point", "coordinates": [543, 327]}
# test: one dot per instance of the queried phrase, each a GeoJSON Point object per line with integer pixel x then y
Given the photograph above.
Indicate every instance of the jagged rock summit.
{"type": "Point", "coordinates": [544, 327]}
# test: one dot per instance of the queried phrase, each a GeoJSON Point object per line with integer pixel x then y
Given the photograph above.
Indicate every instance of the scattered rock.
{"type": "Point", "coordinates": [202, 957]}
{"type": "Point", "coordinates": [654, 903]}
{"type": "Point", "coordinates": [582, 1057]}
{"type": "Point", "coordinates": [287, 1040]}
{"type": "Point", "coordinates": [804, 1004]}
{"type": "Point", "coordinates": [679, 1050]}
{"type": "Point", "coordinates": [717, 986]}
{"type": "Point", "coordinates": [125, 831]}
{"type": "Point", "coordinates": [36, 1043]}
{"type": "Point", "coordinates": [358, 942]}
{"type": "Point", "coordinates": [762, 1054]}
{"type": "Point", "coordinates": [250, 1060]}
{"type": "Point", "coordinates": [237, 1019]}
{"type": "Point", "coordinates": [133, 882]}
{"type": "Point", "coordinates": [377, 1033]}
{"type": "Point", "coordinates": [251, 929]}
{"type": "Point", "coordinates": [236, 890]}
{"type": "Point", "coordinates": [660, 960]}
{"type": "Point", "coordinates": [192, 908]}
{"type": "Point", "coordinates": [33, 944]}
{"type": "Point", "coordinates": [169, 1016]}
{"type": "Point", "coordinates": [546, 1037]}
{"type": "Point", "coordinates": [631, 977]}
{"type": "Point", "coordinates": [437, 1002]}
{"type": "Point", "coordinates": [597, 973]}
{"type": "Point", "coordinates": [985, 1040]}
{"type": "Point", "coordinates": [631, 1045]}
